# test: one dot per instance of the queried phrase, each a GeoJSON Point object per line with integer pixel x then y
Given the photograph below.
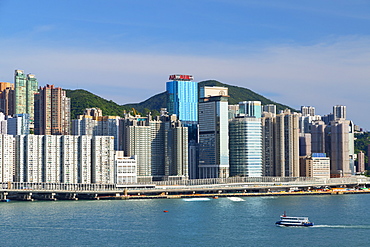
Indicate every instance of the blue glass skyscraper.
{"type": "Point", "coordinates": [182, 98]}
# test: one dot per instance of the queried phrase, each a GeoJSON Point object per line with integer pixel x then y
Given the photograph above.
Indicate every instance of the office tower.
{"type": "Point", "coordinates": [270, 108]}
{"type": "Point", "coordinates": [126, 168]}
{"type": "Point", "coordinates": [52, 111]}
{"type": "Point", "coordinates": [84, 159]}
{"type": "Point", "coordinates": [102, 170]}
{"type": "Point", "coordinates": [268, 160]}
{"type": "Point", "coordinates": [361, 162]}
{"type": "Point", "coordinates": [7, 158]}
{"type": "Point", "coordinates": [307, 111]}
{"type": "Point", "coordinates": [25, 88]}
{"type": "Point", "coordinates": [213, 133]}
{"type": "Point", "coordinates": [176, 150]}
{"type": "Point", "coordinates": [286, 137]}
{"type": "Point", "coordinates": [316, 165]}
{"type": "Point", "coordinates": [182, 100]}
{"type": "Point", "coordinates": [29, 158]}
{"type": "Point", "coordinates": [19, 124]}
{"type": "Point", "coordinates": [339, 112]}
{"type": "Point", "coordinates": [250, 108]}
{"type": "Point", "coordinates": [245, 144]}
{"type": "Point", "coordinates": [340, 148]}
{"type": "Point", "coordinates": [69, 159]}
{"type": "Point", "coordinates": [7, 98]}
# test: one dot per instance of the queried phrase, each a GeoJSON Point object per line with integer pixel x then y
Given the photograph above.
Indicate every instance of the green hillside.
{"type": "Point", "coordinates": [81, 99]}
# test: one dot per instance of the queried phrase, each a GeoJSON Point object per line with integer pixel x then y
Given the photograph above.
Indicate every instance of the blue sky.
{"type": "Point", "coordinates": [314, 52]}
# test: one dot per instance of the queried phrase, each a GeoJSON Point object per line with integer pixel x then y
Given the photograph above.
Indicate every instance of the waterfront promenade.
{"type": "Point", "coordinates": [236, 186]}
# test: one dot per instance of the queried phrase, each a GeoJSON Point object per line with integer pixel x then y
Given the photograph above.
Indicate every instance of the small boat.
{"type": "Point", "coordinates": [293, 221]}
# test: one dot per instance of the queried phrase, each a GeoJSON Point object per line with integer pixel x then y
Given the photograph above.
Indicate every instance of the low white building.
{"type": "Point", "coordinates": [126, 168]}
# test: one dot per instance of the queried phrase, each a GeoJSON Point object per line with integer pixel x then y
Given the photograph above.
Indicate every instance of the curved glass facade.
{"type": "Point", "coordinates": [245, 141]}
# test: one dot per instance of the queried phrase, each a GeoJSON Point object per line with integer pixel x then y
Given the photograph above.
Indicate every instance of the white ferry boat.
{"type": "Point", "coordinates": [293, 221]}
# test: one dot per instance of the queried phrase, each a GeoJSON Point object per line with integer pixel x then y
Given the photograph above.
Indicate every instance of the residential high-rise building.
{"type": "Point", "coordinates": [308, 111]}
{"type": "Point", "coordinates": [250, 108]}
{"type": "Point", "coordinates": [270, 108]}
{"type": "Point", "coordinates": [268, 149]}
{"type": "Point", "coordinates": [7, 158]}
{"type": "Point", "coordinates": [51, 172]}
{"type": "Point", "coordinates": [340, 148]}
{"type": "Point", "coordinates": [97, 125]}
{"type": "Point", "coordinates": [25, 88]}
{"type": "Point", "coordinates": [102, 170]}
{"type": "Point", "coordinates": [136, 140]}
{"type": "Point", "coordinates": [29, 158]}
{"type": "Point", "coordinates": [361, 162]}
{"type": "Point", "coordinates": [245, 145]}
{"type": "Point", "coordinates": [52, 111]}
{"type": "Point", "coordinates": [213, 133]}
{"type": "Point", "coordinates": [160, 145]}
{"type": "Point", "coordinates": [84, 159]}
{"type": "Point", "coordinates": [7, 98]}
{"type": "Point", "coordinates": [3, 124]}
{"type": "Point", "coordinates": [69, 159]}
{"type": "Point", "coordinates": [340, 112]}
{"type": "Point", "coordinates": [318, 137]}
{"type": "Point", "coordinates": [286, 137]}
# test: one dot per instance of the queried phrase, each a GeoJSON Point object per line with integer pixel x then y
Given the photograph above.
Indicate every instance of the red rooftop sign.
{"type": "Point", "coordinates": [181, 77]}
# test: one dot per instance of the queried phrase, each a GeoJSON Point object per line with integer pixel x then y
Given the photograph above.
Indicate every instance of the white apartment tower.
{"type": "Point", "coordinates": [7, 158]}
{"type": "Point", "coordinates": [51, 158]}
{"type": "Point", "coordinates": [84, 159]}
{"type": "Point", "coordinates": [102, 170]}
{"type": "Point", "coordinates": [69, 159]}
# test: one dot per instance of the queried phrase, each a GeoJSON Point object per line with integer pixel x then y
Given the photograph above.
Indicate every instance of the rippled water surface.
{"type": "Point", "coordinates": [340, 220]}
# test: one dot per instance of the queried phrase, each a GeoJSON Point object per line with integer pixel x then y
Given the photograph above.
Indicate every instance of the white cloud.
{"type": "Point", "coordinates": [320, 75]}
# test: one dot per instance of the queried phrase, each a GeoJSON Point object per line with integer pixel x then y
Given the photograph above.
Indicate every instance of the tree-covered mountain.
{"type": "Point", "coordinates": [81, 99]}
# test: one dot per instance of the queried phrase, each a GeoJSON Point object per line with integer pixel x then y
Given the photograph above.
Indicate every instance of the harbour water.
{"type": "Point", "coordinates": [340, 220]}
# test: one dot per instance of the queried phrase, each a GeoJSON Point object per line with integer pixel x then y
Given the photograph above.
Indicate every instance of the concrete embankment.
{"type": "Point", "coordinates": [217, 195]}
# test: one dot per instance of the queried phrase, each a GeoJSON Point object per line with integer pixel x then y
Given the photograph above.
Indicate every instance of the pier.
{"type": "Point", "coordinates": [264, 186]}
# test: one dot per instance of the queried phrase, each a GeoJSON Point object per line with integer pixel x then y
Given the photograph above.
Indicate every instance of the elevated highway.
{"type": "Point", "coordinates": [168, 189]}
